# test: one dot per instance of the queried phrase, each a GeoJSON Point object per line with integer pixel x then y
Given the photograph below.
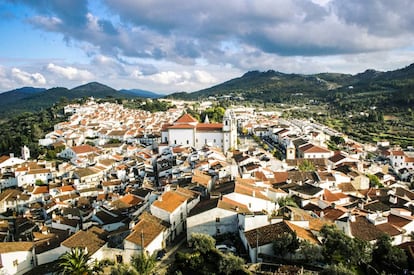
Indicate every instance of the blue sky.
{"type": "Point", "coordinates": [179, 45]}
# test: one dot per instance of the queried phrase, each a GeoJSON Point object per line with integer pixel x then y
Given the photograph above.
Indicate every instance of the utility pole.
{"type": "Point", "coordinates": [257, 245]}
{"type": "Point", "coordinates": [142, 241]}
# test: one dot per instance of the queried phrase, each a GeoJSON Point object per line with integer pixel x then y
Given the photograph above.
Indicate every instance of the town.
{"type": "Point", "coordinates": [131, 181]}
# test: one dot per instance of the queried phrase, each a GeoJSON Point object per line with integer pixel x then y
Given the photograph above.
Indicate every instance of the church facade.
{"type": "Point", "coordinates": [187, 131]}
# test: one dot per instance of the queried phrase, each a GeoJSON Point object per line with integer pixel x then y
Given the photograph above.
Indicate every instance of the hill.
{"type": "Point", "coordinates": [140, 93]}
{"type": "Point", "coordinates": [42, 99]}
{"type": "Point", "coordinates": [278, 87]}
{"type": "Point", "coordinates": [10, 97]}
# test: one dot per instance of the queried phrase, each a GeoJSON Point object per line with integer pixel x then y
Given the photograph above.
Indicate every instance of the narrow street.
{"type": "Point", "coordinates": [169, 257]}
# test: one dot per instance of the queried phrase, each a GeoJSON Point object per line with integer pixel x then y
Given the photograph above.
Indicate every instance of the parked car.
{"type": "Point", "coordinates": [226, 248]}
{"type": "Point", "coordinates": [160, 254]}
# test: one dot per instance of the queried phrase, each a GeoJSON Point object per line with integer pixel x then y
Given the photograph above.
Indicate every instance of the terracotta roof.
{"type": "Point", "coordinates": [41, 189]}
{"type": "Point", "coordinates": [362, 229]}
{"type": "Point", "coordinates": [186, 118]}
{"type": "Point", "coordinates": [332, 214]}
{"type": "Point", "coordinates": [332, 197]}
{"type": "Point", "coordinates": [84, 239]}
{"type": "Point", "coordinates": [209, 126]}
{"type": "Point", "coordinates": [182, 126]}
{"type": "Point", "coordinates": [7, 247]}
{"type": "Point", "coordinates": [389, 229]}
{"type": "Point", "coordinates": [201, 178]}
{"type": "Point", "coordinates": [4, 158]}
{"type": "Point", "coordinates": [267, 234]}
{"type": "Point", "coordinates": [399, 221]}
{"type": "Point", "coordinates": [147, 229]}
{"type": "Point", "coordinates": [170, 201]}
{"type": "Point", "coordinates": [251, 190]}
{"type": "Point", "coordinates": [337, 157]}
{"type": "Point", "coordinates": [310, 148]}
{"type": "Point", "coordinates": [38, 171]}
{"type": "Point", "coordinates": [397, 153]}
{"type": "Point", "coordinates": [131, 199]}
{"type": "Point", "coordinates": [302, 233]}
{"type": "Point", "coordinates": [67, 188]}
{"type": "Point", "coordinates": [280, 177]}
{"type": "Point", "coordinates": [83, 149]}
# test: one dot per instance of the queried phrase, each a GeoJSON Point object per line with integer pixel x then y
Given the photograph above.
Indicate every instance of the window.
{"type": "Point", "coordinates": [15, 262]}
{"type": "Point", "coordinates": [175, 141]}
{"type": "Point", "coordinates": [188, 142]}
{"type": "Point", "coordinates": [214, 140]}
{"type": "Point", "coordinates": [218, 219]}
{"type": "Point", "coordinates": [226, 122]}
{"type": "Point", "coordinates": [182, 217]}
{"type": "Point", "coordinates": [217, 231]}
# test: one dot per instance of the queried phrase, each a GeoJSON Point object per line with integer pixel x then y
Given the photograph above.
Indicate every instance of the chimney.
{"type": "Point", "coordinates": [254, 193]}
{"type": "Point", "coordinates": [160, 198]}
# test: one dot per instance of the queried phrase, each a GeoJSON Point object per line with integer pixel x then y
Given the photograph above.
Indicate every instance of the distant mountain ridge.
{"type": "Point", "coordinates": [141, 93]}
{"type": "Point", "coordinates": [29, 99]}
{"type": "Point", "coordinates": [276, 86]}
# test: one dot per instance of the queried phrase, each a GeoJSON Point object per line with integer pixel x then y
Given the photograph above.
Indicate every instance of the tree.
{"type": "Point", "coordinates": [306, 166]}
{"type": "Point", "coordinates": [338, 269]}
{"type": "Point", "coordinates": [374, 181]}
{"type": "Point", "coordinates": [230, 264]}
{"type": "Point", "coordinates": [123, 269]}
{"type": "Point", "coordinates": [340, 248]}
{"type": "Point", "coordinates": [75, 262]}
{"type": "Point", "coordinates": [311, 252]}
{"type": "Point", "coordinates": [287, 201]}
{"type": "Point", "coordinates": [143, 263]}
{"type": "Point", "coordinates": [285, 243]}
{"type": "Point", "coordinates": [386, 257]}
{"type": "Point", "coordinates": [202, 242]}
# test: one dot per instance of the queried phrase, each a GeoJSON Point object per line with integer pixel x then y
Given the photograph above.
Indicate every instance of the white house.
{"type": "Point", "coordinates": [401, 159]}
{"type": "Point", "coordinates": [310, 151]}
{"type": "Point", "coordinates": [148, 234]}
{"type": "Point", "coordinates": [16, 257]}
{"type": "Point", "coordinates": [171, 207]}
{"type": "Point", "coordinates": [214, 217]}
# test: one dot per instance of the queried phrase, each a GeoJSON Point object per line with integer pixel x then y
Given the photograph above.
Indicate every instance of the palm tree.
{"type": "Point", "coordinates": [143, 263]}
{"type": "Point", "coordinates": [75, 262]}
{"type": "Point", "coordinates": [123, 269]}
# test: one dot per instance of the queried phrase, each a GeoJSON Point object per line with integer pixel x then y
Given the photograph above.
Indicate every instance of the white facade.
{"type": "Point", "coordinates": [175, 218]}
{"type": "Point", "coordinates": [254, 204]}
{"type": "Point", "coordinates": [181, 137]}
{"type": "Point", "coordinates": [213, 222]}
{"type": "Point", "coordinates": [187, 131]}
{"type": "Point", "coordinates": [16, 262]}
{"type": "Point", "coordinates": [156, 244]}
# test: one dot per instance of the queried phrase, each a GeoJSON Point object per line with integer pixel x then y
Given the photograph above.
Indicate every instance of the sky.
{"type": "Point", "coordinates": [180, 45]}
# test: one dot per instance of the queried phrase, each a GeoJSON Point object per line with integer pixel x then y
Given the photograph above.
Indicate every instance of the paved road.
{"type": "Point", "coordinates": [169, 257]}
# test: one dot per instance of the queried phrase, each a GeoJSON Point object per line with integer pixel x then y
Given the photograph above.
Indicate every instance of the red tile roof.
{"type": "Point", "coordinates": [209, 126]}
{"type": "Point", "coordinates": [169, 201]}
{"type": "Point", "coordinates": [310, 148]}
{"type": "Point", "coordinates": [147, 229]}
{"type": "Point", "coordinates": [83, 149]}
{"type": "Point", "coordinates": [186, 118]}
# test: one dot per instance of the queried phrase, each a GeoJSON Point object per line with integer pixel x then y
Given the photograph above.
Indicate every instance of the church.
{"type": "Point", "coordinates": [187, 131]}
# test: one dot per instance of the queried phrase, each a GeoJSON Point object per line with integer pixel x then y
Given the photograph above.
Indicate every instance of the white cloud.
{"type": "Point", "coordinates": [70, 73]}
{"type": "Point", "coordinates": [26, 78]}
{"type": "Point", "coordinates": [168, 77]}
{"type": "Point", "coordinates": [204, 77]}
